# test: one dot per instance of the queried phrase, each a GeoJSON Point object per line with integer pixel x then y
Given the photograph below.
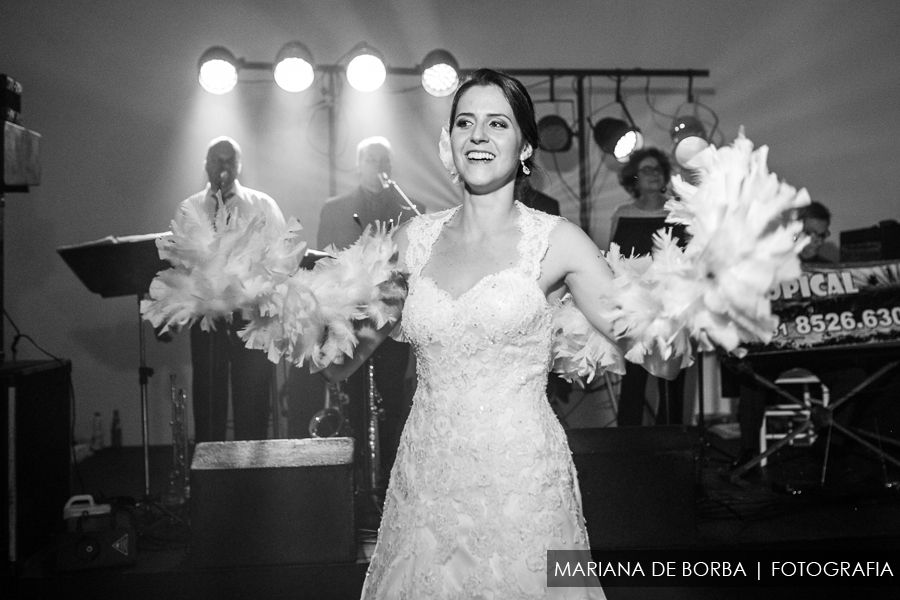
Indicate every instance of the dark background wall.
{"type": "Point", "coordinates": [112, 88]}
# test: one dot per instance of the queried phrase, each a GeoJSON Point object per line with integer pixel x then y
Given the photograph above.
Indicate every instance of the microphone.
{"type": "Point", "coordinates": [358, 222]}
{"type": "Point", "coordinates": [385, 180]}
{"type": "Point", "coordinates": [220, 185]}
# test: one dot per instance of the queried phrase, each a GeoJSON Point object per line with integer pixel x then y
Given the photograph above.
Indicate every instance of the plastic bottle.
{"type": "Point", "coordinates": [97, 432]}
{"type": "Point", "coordinates": [115, 431]}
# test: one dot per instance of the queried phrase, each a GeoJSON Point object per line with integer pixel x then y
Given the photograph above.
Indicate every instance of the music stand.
{"type": "Point", "coordinates": [122, 266]}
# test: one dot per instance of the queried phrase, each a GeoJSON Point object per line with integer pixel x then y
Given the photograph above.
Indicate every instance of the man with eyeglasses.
{"type": "Point", "coordinates": [840, 379]}
{"type": "Point", "coordinates": [816, 221]}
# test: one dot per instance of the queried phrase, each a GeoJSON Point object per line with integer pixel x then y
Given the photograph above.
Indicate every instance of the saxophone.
{"type": "Point", "coordinates": [178, 490]}
{"type": "Point", "coordinates": [330, 421]}
{"type": "Point", "coordinates": [373, 413]}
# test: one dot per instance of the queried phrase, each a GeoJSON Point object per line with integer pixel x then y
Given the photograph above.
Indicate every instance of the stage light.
{"type": "Point", "coordinates": [555, 134]}
{"type": "Point", "coordinates": [688, 138]}
{"type": "Point", "coordinates": [616, 137]}
{"type": "Point", "coordinates": [294, 67]}
{"type": "Point", "coordinates": [366, 71]}
{"type": "Point", "coordinates": [218, 70]}
{"type": "Point", "coordinates": [440, 73]}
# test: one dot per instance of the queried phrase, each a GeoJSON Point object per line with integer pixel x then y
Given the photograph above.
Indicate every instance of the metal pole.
{"type": "Point", "coordinates": [144, 374]}
{"type": "Point", "coordinates": [2, 261]}
{"type": "Point", "coordinates": [584, 191]}
{"type": "Point", "coordinates": [331, 100]}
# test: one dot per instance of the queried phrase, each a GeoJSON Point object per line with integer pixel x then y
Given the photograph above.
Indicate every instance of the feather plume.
{"type": "Point", "coordinates": [218, 270]}
{"type": "Point", "coordinates": [740, 245]}
{"type": "Point", "coordinates": [312, 315]}
{"type": "Point", "coordinates": [580, 352]}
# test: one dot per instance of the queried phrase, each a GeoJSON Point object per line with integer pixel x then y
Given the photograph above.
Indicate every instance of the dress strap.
{"type": "Point", "coordinates": [536, 227]}
{"type": "Point", "coordinates": [423, 232]}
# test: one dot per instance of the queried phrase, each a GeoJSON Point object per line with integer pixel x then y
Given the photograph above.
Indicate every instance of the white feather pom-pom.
{"type": "Point", "coordinates": [740, 245]}
{"type": "Point", "coordinates": [311, 315]}
{"type": "Point", "coordinates": [579, 351]}
{"type": "Point", "coordinates": [742, 241]}
{"type": "Point", "coordinates": [216, 271]}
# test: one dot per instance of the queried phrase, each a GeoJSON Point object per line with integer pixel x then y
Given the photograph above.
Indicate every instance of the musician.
{"type": "Point", "coordinates": [342, 220]}
{"type": "Point", "coordinates": [344, 217]}
{"type": "Point", "coordinates": [646, 179]}
{"type": "Point", "coordinates": [219, 357]}
{"type": "Point", "coordinates": [816, 224]}
{"type": "Point", "coordinates": [839, 379]}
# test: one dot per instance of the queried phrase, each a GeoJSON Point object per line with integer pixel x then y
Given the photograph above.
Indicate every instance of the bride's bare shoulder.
{"type": "Point", "coordinates": [567, 237]}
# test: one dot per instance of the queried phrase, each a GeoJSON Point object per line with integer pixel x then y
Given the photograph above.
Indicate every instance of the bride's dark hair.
{"type": "Point", "coordinates": [518, 98]}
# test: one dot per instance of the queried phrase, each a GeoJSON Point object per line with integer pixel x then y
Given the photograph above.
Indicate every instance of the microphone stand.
{"type": "Point", "coordinates": [387, 182]}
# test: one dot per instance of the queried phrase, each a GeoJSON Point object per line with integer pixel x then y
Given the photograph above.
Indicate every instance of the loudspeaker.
{"type": "Point", "coordinates": [272, 502]}
{"type": "Point", "coordinates": [637, 484]}
{"type": "Point", "coordinates": [35, 456]}
{"type": "Point", "coordinates": [879, 242]}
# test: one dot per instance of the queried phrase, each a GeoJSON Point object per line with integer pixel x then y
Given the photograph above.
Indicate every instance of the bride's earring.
{"type": "Point", "coordinates": [525, 169]}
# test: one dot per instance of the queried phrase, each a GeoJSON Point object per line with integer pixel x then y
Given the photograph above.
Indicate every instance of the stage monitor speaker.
{"type": "Point", "coordinates": [272, 502]}
{"type": "Point", "coordinates": [35, 456]}
{"type": "Point", "coordinates": [637, 484]}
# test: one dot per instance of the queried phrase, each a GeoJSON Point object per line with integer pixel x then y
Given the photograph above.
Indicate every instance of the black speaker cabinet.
{"type": "Point", "coordinates": [272, 502]}
{"type": "Point", "coordinates": [36, 454]}
{"type": "Point", "coordinates": [637, 484]}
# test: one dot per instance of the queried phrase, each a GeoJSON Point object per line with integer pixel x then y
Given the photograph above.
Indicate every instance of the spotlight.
{"type": "Point", "coordinates": [218, 70]}
{"type": "Point", "coordinates": [555, 134]}
{"type": "Point", "coordinates": [688, 138]}
{"type": "Point", "coordinates": [294, 67]}
{"type": "Point", "coordinates": [440, 73]}
{"type": "Point", "coordinates": [616, 137]}
{"type": "Point", "coordinates": [366, 71]}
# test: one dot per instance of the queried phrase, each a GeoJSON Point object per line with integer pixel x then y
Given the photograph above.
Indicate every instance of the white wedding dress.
{"type": "Point", "coordinates": [483, 483]}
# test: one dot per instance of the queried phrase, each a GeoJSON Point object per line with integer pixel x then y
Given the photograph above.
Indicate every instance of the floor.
{"type": "Point", "coordinates": [781, 508]}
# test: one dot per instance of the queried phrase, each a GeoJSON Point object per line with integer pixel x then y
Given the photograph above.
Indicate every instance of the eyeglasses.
{"type": "Point", "coordinates": [822, 236]}
{"type": "Point", "coordinates": [648, 170]}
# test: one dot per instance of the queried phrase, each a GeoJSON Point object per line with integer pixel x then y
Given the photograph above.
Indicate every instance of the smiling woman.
{"type": "Point", "coordinates": [484, 485]}
{"type": "Point", "coordinates": [516, 113]}
{"type": "Point", "coordinates": [646, 178]}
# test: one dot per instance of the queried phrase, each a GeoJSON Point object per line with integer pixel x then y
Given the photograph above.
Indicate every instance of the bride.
{"type": "Point", "coordinates": [484, 484]}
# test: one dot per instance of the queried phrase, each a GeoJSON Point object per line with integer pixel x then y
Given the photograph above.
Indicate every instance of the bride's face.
{"type": "Point", "coordinates": [486, 140]}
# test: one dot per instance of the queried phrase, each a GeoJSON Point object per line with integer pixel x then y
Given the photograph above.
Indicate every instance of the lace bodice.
{"type": "Point", "coordinates": [483, 484]}
{"type": "Point", "coordinates": [497, 332]}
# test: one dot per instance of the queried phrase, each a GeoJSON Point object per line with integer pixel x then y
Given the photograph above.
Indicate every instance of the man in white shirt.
{"type": "Point", "coordinates": [219, 356]}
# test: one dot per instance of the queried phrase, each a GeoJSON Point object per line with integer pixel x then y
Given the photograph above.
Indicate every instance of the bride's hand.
{"type": "Point", "coordinates": [393, 292]}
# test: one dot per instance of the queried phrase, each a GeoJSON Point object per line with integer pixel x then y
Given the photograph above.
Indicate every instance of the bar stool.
{"type": "Point", "coordinates": [782, 418]}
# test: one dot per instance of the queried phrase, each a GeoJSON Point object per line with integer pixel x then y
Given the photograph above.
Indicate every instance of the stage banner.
{"type": "Point", "coordinates": [836, 305]}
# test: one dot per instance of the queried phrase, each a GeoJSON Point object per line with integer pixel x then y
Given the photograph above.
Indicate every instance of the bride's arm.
{"type": "Point", "coordinates": [575, 260]}
{"type": "Point", "coordinates": [368, 337]}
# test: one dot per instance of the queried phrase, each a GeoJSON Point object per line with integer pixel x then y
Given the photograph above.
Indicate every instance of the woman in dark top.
{"type": "Point", "coordinates": [646, 178]}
